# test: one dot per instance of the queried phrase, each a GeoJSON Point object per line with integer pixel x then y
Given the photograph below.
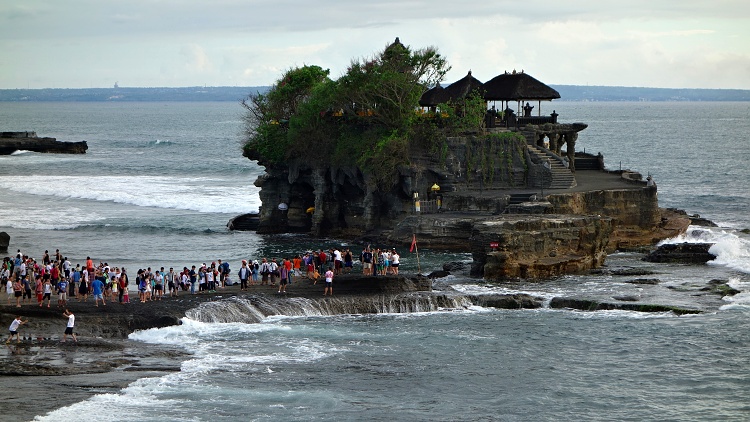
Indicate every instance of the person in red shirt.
{"type": "Point", "coordinates": [323, 260]}
{"type": "Point", "coordinates": [54, 273]}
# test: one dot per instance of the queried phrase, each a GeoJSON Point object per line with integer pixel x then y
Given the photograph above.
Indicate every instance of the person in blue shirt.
{"type": "Point", "coordinates": [97, 287]}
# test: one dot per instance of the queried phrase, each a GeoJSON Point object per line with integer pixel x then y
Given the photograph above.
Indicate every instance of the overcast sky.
{"type": "Point", "coordinates": [174, 43]}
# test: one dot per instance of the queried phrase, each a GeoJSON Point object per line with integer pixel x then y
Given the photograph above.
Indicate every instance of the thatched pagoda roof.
{"type": "Point", "coordinates": [463, 87]}
{"type": "Point", "coordinates": [517, 87]}
{"type": "Point", "coordinates": [433, 96]}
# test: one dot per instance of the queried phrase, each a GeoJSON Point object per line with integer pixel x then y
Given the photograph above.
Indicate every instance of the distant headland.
{"type": "Point", "coordinates": [236, 93]}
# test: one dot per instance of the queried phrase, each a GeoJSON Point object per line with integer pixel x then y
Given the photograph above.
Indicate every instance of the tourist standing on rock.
{"type": "Point", "coordinates": [39, 290]}
{"type": "Point", "coordinates": [47, 292]}
{"type": "Point", "coordinates": [124, 283]}
{"type": "Point", "coordinates": [171, 280]}
{"type": "Point", "coordinates": [9, 290]}
{"type": "Point", "coordinates": [69, 327]}
{"type": "Point", "coordinates": [244, 274]}
{"type": "Point", "coordinates": [289, 273]}
{"type": "Point", "coordinates": [328, 290]}
{"type": "Point", "coordinates": [366, 259]}
{"type": "Point", "coordinates": [17, 291]}
{"type": "Point", "coordinates": [338, 261]}
{"type": "Point", "coordinates": [158, 285]}
{"type": "Point", "coordinates": [75, 280]}
{"type": "Point", "coordinates": [348, 261]}
{"type": "Point", "coordinates": [62, 293]}
{"type": "Point", "coordinates": [26, 290]}
{"type": "Point", "coordinates": [193, 279]}
{"type": "Point", "coordinates": [210, 274]}
{"type": "Point", "coordinates": [97, 289]}
{"type": "Point", "coordinates": [296, 265]}
{"type": "Point", "coordinates": [14, 329]}
{"type": "Point", "coordinates": [323, 257]}
{"type": "Point", "coordinates": [83, 286]}
{"type": "Point", "coordinates": [396, 260]}
{"type": "Point", "coordinates": [123, 290]}
{"type": "Point", "coordinates": [256, 269]}
{"type": "Point", "coordinates": [274, 267]}
{"type": "Point", "coordinates": [283, 278]}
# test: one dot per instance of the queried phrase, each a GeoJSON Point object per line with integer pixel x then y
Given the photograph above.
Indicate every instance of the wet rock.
{"type": "Point", "coordinates": [4, 242]}
{"type": "Point", "coordinates": [631, 271]}
{"type": "Point", "coordinates": [514, 301]}
{"type": "Point", "coordinates": [651, 281]}
{"type": "Point", "coordinates": [438, 274]}
{"type": "Point", "coordinates": [682, 253]}
{"type": "Point", "coordinates": [593, 305]}
{"type": "Point", "coordinates": [452, 267]}
{"type": "Point", "coordinates": [720, 287]}
{"type": "Point", "coordinates": [626, 298]}
{"type": "Point", "coordinates": [244, 222]}
{"type": "Point", "coordinates": [11, 142]}
{"type": "Point", "coordinates": [697, 220]}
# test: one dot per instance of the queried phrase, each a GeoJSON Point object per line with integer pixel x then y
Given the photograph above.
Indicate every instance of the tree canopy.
{"type": "Point", "coordinates": [367, 117]}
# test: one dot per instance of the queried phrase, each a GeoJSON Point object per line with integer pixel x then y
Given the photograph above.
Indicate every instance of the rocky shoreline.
{"type": "Point", "coordinates": [105, 360]}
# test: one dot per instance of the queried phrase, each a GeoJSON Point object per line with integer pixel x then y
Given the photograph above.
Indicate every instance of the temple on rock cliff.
{"type": "Point", "coordinates": [515, 192]}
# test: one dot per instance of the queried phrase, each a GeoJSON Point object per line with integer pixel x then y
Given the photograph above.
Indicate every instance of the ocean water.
{"type": "Point", "coordinates": [160, 181]}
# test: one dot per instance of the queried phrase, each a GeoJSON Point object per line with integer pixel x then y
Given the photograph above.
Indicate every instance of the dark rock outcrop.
{"type": "Point", "coordinates": [512, 301]}
{"type": "Point", "coordinates": [646, 281]}
{"type": "Point", "coordinates": [593, 305]}
{"type": "Point", "coordinates": [11, 142]}
{"type": "Point", "coordinates": [721, 288]}
{"type": "Point", "coordinates": [247, 222]}
{"type": "Point", "coordinates": [4, 242]}
{"type": "Point", "coordinates": [697, 220]}
{"type": "Point", "coordinates": [684, 253]}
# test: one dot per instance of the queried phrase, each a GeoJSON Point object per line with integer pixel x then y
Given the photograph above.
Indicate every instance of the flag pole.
{"type": "Point", "coordinates": [416, 249]}
{"type": "Point", "coordinates": [419, 268]}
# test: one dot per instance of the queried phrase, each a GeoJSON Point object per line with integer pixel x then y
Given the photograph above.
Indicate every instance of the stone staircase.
{"type": "Point", "coordinates": [562, 177]}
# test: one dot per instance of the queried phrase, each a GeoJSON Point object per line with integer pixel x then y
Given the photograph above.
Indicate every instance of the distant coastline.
{"type": "Point", "coordinates": [237, 93]}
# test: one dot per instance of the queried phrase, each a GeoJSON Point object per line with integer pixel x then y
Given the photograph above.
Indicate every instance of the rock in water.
{"type": "Point", "coordinates": [4, 242]}
{"type": "Point", "coordinates": [682, 253]}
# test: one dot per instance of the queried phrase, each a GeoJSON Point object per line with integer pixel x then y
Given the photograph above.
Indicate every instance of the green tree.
{"type": "Point", "coordinates": [268, 115]}
{"type": "Point", "coordinates": [366, 118]}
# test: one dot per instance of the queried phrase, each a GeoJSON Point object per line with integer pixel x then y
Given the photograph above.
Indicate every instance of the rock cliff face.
{"type": "Point", "coordinates": [531, 246]}
{"type": "Point", "coordinates": [302, 197]}
{"type": "Point", "coordinates": [637, 219]}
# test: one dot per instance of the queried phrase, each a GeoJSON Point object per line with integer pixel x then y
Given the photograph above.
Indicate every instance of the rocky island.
{"type": "Point", "coordinates": [11, 142]}
{"type": "Point", "coordinates": [352, 159]}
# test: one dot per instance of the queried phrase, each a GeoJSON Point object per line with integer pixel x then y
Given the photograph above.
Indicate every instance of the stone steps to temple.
{"type": "Point", "coordinates": [562, 177]}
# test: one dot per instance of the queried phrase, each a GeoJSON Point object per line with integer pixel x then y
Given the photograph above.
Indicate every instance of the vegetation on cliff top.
{"type": "Point", "coordinates": [369, 117]}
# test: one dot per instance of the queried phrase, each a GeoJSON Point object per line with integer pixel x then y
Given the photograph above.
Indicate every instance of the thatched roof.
{"type": "Point", "coordinates": [517, 87]}
{"type": "Point", "coordinates": [433, 96]}
{"type": "Point", "coordinates": [463, 87]}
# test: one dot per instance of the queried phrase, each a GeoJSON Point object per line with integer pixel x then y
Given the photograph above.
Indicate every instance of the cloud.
{"type": "Point", "coordinates": [247, 42]}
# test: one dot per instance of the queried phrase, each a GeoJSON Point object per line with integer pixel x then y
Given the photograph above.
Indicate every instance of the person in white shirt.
{"type": "Point", "coordinates": [14, 329]}
{"type": "Point", "coordinates": [395, 260]}
{"type": "Point", "coordinates": [69, 327]}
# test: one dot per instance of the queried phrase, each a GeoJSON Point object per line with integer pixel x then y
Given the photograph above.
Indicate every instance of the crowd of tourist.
{"type": "Point", "coordinates": [25, 278]}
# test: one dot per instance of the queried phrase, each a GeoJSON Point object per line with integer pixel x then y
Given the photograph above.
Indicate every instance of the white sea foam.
{"type": "Point", "coordinates": [202, 194]}
{"type": "Point", "coordinates": [731, 249]}
{"type": "Point", "coordinates": [475, 289]}
{"type": "Point", "coordinates": [20, 152]}
{"type": "Point", "coordinates": [45, 218]}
